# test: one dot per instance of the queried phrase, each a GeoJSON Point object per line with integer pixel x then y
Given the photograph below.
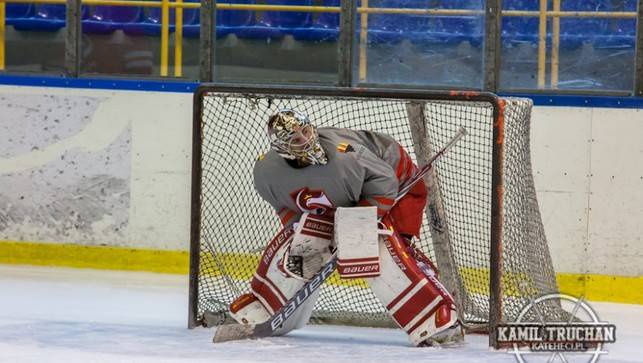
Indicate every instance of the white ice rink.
{"type": "Point", "coordinates": [74, 315]}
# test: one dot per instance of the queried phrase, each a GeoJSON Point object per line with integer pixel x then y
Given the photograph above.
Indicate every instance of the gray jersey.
{"type": "Point", "coordinates": [364, 168]}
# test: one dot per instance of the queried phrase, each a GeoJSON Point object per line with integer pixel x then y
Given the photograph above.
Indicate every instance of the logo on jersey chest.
{"type": "Point", "coordinates": [345, 147]}
{"type": "Point", "coordinates": [312, 201]}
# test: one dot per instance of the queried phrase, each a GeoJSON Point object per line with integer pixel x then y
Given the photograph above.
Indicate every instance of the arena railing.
{"type": "Point", "coordinates": [543, 14]}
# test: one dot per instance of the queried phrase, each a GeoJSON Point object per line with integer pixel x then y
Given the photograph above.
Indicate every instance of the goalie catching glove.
{"type": "Point", "coordinates": [311, 248]}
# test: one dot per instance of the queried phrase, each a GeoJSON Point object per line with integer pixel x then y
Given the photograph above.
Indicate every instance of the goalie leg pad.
{"type": "Point", "coordinates": [247, 309]}
{"type": "Point", "coordinates": [270, 284]}
{"type": "Point", "coordinates": [273, 285]}
{"type": "Point", "coordinates": [357, 242]}
{"type": "Point", "coordinates": [414, 297]}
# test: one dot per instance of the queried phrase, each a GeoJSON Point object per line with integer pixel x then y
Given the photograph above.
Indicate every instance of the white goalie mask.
{"type": "Point", "coordinates": [294, 137]}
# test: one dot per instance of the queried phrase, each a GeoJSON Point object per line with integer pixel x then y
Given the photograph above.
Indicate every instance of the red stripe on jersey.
{"type": "Point", "coordinates": [408, 168]}
{"type": "Point", "coordinates": [286, 217]}
{"type": "Point", "coordinates": [400, 166]}
{"type": "Point", "coordinates": [405, 166]}
{"type": "Point", "coordinates": [412, 170]}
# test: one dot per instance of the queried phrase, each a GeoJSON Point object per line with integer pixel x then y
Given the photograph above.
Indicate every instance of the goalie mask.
{"type": "Point", "coordinates": [294, 137]}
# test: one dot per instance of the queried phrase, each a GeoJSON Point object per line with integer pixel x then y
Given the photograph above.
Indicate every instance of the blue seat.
{"type": "Point", "coordinates": [393, 28]}
{"type": "Point", "coordinates": [324, 28]}
{"type": "Point", "coordinates": [191, 22]}
{"type": "Point", "coordinates": [151, 24]}
{"type": "Point", "coordinates": [517, 30]}
{"type": "Point", "coordinates": [456, 29]}
{"type": "Point", "coordinates": [615, 33]}
{"type": "Point", "coordinates": [18, 11]}
{"type": "Point", "coordinates": [46, 18]}
{"type": "Point", "coordinates": [276, 24]}
{"type": "Point", "coordinates": [231, 21]}
{"type": "Point", "coordinates": [227, 21]}
{"type": "Point", "coordinates": [624, 26]}
{"type": "Point", "coordinates": [576, 31]}
{"type": "Point", "coordinates": [426, 29]}
{"type": "Point", "coordinates": [597, 31]}
{"type": "Point", "coordinates": [108, 19]}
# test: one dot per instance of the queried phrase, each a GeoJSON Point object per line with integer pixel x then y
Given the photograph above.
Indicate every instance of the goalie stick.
{"type": "Point", "coordinates": [230, 332]}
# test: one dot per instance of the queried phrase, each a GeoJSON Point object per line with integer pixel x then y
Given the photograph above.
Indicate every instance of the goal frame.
{"type": "Point", "coordinates": [496, 225]}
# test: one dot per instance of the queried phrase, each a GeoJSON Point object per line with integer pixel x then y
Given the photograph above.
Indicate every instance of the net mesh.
{"type": "Point", "coordinates": [235, 224]}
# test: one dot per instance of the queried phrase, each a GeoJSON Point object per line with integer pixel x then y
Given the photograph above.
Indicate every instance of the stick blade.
{"type": "Point", "coordinates": [226, 333]}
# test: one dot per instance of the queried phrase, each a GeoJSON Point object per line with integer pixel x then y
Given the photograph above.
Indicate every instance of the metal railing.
{"type": "Point", "coordinates": [543, 14]}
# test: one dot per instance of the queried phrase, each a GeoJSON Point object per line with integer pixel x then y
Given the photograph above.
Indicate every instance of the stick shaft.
{"type": "Point", "coordinates": [425, 169]}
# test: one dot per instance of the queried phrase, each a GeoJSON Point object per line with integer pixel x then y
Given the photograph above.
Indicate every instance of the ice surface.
{"type": "Point", "coordinates": [74, 315]}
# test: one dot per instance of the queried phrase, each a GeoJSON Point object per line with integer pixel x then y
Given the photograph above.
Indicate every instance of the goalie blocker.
{"type": "Point", "coordinates": [407, 284]}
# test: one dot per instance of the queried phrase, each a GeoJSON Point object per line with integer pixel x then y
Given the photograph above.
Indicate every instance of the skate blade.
{"type": "Point", "coordinates": [226, 333]}
{"type": "Point", "coordinates": [450, 338]}
{"type": "Point", "coordinates": [445, 344]}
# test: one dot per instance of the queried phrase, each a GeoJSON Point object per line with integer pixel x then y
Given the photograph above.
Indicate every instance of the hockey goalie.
{"type": "Point", "coordinates": [322, 181]}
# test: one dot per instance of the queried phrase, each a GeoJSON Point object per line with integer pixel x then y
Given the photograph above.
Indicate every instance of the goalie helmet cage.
{"type": "Point", "coordinates": [482, 225]}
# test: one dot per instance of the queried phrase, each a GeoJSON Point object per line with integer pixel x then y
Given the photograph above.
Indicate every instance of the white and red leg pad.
{"type": "Point", "coordinates": [272, 286]}
{"type": "Point", "coordinates": [357, 243]}
{"type": "Point", "coordinates": [413, 296]}
{"type": "Point", "coordinates": [247, 309]}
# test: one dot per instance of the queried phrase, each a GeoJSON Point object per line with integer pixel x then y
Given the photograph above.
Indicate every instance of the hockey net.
{"type": "Point", "coordinates": [482, 224]}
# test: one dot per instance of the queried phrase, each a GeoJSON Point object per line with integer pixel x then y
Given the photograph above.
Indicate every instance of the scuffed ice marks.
{"type": "Point", "coordinates": [78, 196]}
